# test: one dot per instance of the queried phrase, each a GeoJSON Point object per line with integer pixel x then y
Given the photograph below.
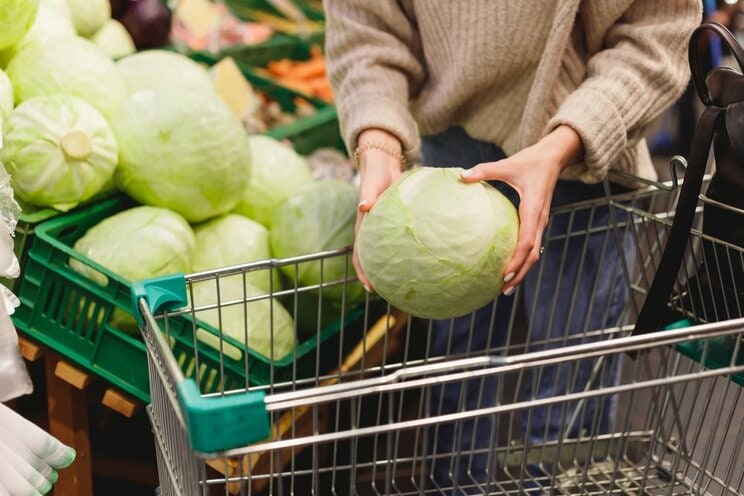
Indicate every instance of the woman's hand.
{"type": "Point", "coordinates": [533, 172]}
{"type": "Point", "coordinates": [378, 169]}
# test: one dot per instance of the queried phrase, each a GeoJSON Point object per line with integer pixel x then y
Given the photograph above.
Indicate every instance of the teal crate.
{"type": "Point", "coordinates": [78, 318]}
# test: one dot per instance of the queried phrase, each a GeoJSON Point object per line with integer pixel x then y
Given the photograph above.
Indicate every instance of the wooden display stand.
{"type": "Point", "coordinates": [67, 401]}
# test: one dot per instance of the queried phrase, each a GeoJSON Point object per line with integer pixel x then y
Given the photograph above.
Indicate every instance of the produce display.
{"type": "Point", "coordinates": [306, 76]}
{"type": "Point", "coordinates": [16, 18]}
{"type": "Point", "coordinates": [86, 115]}
{"type": "Point", "coordinates": [430, 231]}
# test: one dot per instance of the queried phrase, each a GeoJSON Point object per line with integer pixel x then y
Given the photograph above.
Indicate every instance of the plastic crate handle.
{"type": "Point", "coordinates": [161, 293]}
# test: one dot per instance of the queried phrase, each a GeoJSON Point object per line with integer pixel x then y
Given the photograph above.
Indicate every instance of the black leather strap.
{"type": "Point", "coordinates": [698, 71]}
{"type": "Point", "coordinates": [654, 311]}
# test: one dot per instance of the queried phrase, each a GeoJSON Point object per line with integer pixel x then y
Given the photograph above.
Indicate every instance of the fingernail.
{"type": "Point", "coordinates": [509, 276]}
{"type": "Point", "coordinates": [466, 173]}
{"type": "Point", "coordinates": [509, 291]}
{"type": "Point", "coordinates": [367, 289]}
{"type": "Point", "coordinates": [362, 204]}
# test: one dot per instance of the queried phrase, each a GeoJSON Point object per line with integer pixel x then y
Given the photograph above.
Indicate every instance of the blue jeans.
{"type": "Point", "coordinates": [561, 299]}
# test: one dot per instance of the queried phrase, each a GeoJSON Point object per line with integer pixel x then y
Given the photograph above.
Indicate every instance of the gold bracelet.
{"type": "Point", "coordinates": [376, 145]}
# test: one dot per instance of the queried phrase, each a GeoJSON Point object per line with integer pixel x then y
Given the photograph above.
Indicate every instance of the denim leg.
{"type": "Point", "coordinates": [577, 287]}
{"type": "Point", "coordinates": [460, 449]}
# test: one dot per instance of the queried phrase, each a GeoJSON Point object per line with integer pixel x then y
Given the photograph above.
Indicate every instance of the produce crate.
{"type": "Point", "coordinates": [28, 220]}
{"type": "Point", "coordinates": [76, 317]}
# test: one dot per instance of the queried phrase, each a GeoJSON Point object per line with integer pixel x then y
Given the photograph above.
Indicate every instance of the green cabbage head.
{"type": "Point", "coordinates": [138, 243]}
{"type": "Point", "coordinates": [319, 217]}
{"type": "Point", "coordinates": [114, 39]}
{"type": "Point", "coordinates": [154, 68]}
{"type": "Point", "coordinates": [89, 15]}
{"type": "Point", "coordinates": [436, 247]}
{"type": "Point", "coordinates": [59, 150]}
{"type": "Point", "coordinates": [277, 172]}
{"type": "Point", "coordinates": [16, 18]}
{"type": "Point", "coordinates": [263, 324]}
{"type": "Point", "coordinates": [234, 240]}
{"type": "Point", "coordinates": [70, 65]}
{"type": "Point", "coordinates": [182, 151]}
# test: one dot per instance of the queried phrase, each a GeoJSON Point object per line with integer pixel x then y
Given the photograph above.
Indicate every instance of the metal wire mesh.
{"type": "Point", "coordinates": [371, 401]}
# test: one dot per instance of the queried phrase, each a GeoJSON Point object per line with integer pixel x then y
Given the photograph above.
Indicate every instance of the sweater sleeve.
{"type": "Point", "coordinates": [374, 63]}
{"type": "Point", "coordinates": [640, 70]}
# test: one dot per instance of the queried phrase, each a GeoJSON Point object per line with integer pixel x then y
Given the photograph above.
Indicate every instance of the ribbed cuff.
{"type": "Point", "coordinates": [380, 112]}
{"type": "Point", "coordinates": [601, 128]}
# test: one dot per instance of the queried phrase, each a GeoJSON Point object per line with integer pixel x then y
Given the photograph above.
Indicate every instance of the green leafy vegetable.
{"type": "Point", "coordinates": [277, 173]}
{"type": "Point", "coordinates": [436, 247]}
{"type": "Point", "coordinates": [180, 151]}
{"type": "Point", "coordinates": [59, 150]}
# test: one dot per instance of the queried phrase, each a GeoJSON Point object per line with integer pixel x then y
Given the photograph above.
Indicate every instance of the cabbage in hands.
{"type": "Point", "coordinates": [321, 216]}
{"type": "Point", "coordinates": [70, 65]}
{"type": "Point", "coordinates": [154, 68]}
{"type": "Point", "coordinates": [436, 247]}
{"type": "Point", "coordinates": [16, 18]}
{"type": "Point", "coordinates": [59, 150]}
{"type": "Point", "coordinates": [265, 323]}
{"type": "Point", "coordinates": [181, 151]}
{"type": "Point", "coordinates": [234, 240]}
{"type": "Point", "coordinates": [277, 172]}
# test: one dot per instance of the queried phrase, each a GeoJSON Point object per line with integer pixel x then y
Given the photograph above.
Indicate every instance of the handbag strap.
{"type": "Point", "coordinates": [654, 310]}
{"type": "Point", "coordinates": [693, 51]}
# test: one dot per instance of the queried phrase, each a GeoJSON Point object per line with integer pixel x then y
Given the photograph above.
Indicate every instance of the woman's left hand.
{"type": "Point", "coordinates": [533, 173]}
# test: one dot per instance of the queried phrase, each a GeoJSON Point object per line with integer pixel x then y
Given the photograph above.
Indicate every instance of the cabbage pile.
{"type": "Point", "coordinates": [83, 113]}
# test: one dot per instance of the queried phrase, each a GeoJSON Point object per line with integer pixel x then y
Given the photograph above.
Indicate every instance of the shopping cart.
{"type": "Point", "coordinates": [368, 416]}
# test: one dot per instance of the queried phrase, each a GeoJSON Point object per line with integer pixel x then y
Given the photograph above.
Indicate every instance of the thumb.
{"type": "Point", "coordinates": [487, 171]}
{"type": "Point", "coordinates": [373, 184]}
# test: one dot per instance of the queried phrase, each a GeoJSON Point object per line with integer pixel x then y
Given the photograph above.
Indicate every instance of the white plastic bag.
{"type": "Point", "coordinates": [14, 379]}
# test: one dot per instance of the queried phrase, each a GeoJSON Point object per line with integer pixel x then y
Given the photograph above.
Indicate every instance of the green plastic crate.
{"type": "Point", "coordinates": [73, 315]}
{"type": "Point", "coordinates": [30, 217]}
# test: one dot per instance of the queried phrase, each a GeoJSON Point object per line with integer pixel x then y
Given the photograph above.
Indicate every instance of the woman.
{"type": "Point", "coordinates": [541, 96]}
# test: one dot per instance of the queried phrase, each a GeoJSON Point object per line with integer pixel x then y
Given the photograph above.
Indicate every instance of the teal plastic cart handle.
{"type": "Point", "coordinates": [680, 324]}
{"type": "Point", "coordinates": [221, 423]}
{"type": "Point", "coordinates": [161, 293]}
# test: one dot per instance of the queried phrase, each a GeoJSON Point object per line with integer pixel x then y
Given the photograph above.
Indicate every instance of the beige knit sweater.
{"type": "Point", "coordinates": [510, 71]}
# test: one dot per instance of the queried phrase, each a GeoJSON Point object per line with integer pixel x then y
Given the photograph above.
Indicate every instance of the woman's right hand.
{"type": "Point", "coordinates": [378, 169]}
